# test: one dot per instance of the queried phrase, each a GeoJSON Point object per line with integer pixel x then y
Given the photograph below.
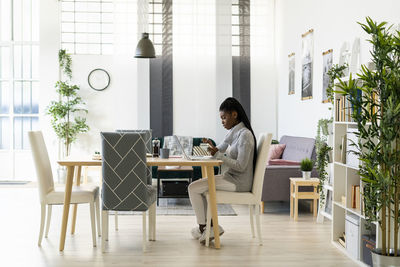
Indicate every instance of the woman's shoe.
{"type": "Point", "coordinates": [202, 238]}
{"type": "Point", "coordinates": [196, 233]}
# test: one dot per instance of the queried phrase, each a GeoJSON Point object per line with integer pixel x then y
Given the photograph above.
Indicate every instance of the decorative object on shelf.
{"type": "Point", "coordinates": [67, 113]}
{"type": "Point", "coordinates": [292, 71]}
{"type": "Point", "coordinates": [145, 48]}
{"type": "Point", "coordinates": [343, 149]}
{"type": "Point", "coordinates": [327, 60]}
{"type": "Point", "coordinates": [98, 79]}
{"type": "Point", "coordinates": [355, 56]}
{"type": "Point", "coordinates": [378, 146]}
{"type": "Point", "coordinates": [164, 153]}
{"type": "Point", "coordinates": [307, 65]}
{"type": "Point", "coordinates": [306, 167]}
{"type": "Point", "coordinates": [345, 57]}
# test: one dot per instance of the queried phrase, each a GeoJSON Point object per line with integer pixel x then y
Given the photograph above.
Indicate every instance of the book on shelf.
{"type": "Point", "coordinates": [355, 197]}
{"type": "Point", "coordinates": [344, 109]}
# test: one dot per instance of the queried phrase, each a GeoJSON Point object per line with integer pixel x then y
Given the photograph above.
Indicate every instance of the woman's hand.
{"type": "Point", "coordinates": [211, 148]}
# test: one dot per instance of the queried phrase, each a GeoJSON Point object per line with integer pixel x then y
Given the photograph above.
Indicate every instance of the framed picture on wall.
{"type": "Point", "coordinates": [327, 58]}
{"type": "Point", "coordinates": [307, 58]}
{"type": "Point", "coordinates": [291, 73]}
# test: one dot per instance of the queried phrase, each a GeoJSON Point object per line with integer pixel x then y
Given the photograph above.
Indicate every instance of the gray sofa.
{"type": "Point", "coordinates": [276, 185]}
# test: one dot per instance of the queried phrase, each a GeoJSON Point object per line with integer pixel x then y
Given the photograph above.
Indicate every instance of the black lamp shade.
{"type": "Point", "coordinates": [145, 48]}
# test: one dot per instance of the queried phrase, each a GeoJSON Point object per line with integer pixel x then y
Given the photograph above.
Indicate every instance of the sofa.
{"type": "Point", "coordinates": [276, 185]}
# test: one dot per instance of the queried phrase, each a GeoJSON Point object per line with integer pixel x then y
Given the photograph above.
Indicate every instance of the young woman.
{"type": "Point", "coordinates": [238, 153]}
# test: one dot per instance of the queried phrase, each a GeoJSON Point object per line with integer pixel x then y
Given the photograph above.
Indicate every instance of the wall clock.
{"type": "Point", "coordinates": [98, 79]}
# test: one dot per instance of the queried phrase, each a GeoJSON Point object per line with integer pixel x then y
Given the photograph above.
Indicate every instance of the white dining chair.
{"type": "Point", "coordinates": [253, 198]}
{"type": "Point", "coordinates": [49, 195]}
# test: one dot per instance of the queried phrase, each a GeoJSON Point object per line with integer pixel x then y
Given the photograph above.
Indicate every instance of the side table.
{"type": "Point", "coordinates": [295, 195]}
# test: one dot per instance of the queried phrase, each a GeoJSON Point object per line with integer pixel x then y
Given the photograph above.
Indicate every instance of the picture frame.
{"type": "Point", "coordinates": [307, 65]}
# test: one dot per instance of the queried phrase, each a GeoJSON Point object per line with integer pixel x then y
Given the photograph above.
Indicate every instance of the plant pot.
{"type": "Point", "coordinates": [379, 260]}
{"type": "Point", "coordinates": [306, 175]}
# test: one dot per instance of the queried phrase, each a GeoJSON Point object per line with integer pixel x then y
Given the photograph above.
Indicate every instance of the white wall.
{"type": "Point", "coordinates": [263, 73]}
{"type": "Point", "coordinates": [334, 22]}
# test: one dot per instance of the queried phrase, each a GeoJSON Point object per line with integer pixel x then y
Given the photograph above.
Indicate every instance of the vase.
{"type": "Point", "coordinates": [379, 260]}
{"type": "Point", "coordinates": [306, 175]}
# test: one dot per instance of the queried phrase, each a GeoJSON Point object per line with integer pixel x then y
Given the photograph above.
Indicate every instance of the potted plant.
{"type": "Point", "coordinates": [306, 167]}
{"type": "Point", "coordinates": [323, 140]}
{"type": "Point", "coordinates": [67, 120]}
{"type": "Point", "coordinates": [375, 102]}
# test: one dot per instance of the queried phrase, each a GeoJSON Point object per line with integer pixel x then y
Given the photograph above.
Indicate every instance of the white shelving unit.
{"type": "Point", "coordinates": [345, 176]}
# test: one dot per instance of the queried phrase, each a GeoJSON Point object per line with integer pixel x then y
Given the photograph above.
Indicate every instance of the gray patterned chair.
{"type": "Point", "coordinates": [125, 185]}
{"type": "Point", "coordinates": [146, 135]}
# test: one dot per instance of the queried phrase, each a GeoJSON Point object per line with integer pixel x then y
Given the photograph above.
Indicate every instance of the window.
{"type": "Point", "coordinates": [87, 26]}
{"type": "Point", "coordinates": [19, 84]}
{"type": "Point", "coordinates": [156, 24]}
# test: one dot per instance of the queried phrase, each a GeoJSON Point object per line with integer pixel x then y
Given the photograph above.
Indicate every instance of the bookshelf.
{"type": "Point", "coordinates": [345, 179]}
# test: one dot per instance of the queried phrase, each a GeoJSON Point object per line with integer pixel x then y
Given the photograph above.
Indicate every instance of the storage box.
{"type": "Point", "coordinates": [352, 227]}
{"type": "Point", "coordinates": [174, 188]}
{"type": "Point", "coordinates": [368, 243]}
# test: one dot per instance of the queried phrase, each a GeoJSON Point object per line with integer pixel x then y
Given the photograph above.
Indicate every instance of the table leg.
{"type": "Point", "coordinates": [213, 203]}
{"type": "Point", "coordinates": [291, 199]}
{"type": "Point", "coordinates": [315, 200]}
{"type": "Point", "coordinates": [67, 201]}
{"type": "Point", "coordinates": [78, 183]}
{"type": "Point", "coordinates": [296, 202]}
{"type": "Point", "coordinates": [204, 171]}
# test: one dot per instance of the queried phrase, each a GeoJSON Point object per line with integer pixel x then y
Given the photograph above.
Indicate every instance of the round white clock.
{"type": "Point", "coordinates": [98, 79]}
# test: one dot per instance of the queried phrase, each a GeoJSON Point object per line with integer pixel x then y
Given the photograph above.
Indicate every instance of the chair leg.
{"type": "Point", "coordinates": [98, 216]}
{"type": "Point", "coordinates": [116, 220]}
{"type": "Point", "coordinates": [49, 209]}
{"type": "Point", "coordinates": [262, 207]}
{"type": "Point", "coordinates": [251, 211]}
{"type": "Point", "coordinates": [152, 222]}
{"type": "Point", "coordinates": [208, 226]}
{"type": "Point", "coordinates": [93, 224]}
{"type": "Point", "coordinates": [107, 226]}
{"type": "Point", "coordinates": [257, 208]}
{"type": "Point", "coordinates": [144, 231]}
{"type": "Point", "coordinates": [104, 229]}
{"type": "Point", "coordinates": [42, 219]}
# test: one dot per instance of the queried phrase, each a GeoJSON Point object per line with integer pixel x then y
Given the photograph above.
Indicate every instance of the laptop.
{"type": "Point", "coordinates": [190, 157]}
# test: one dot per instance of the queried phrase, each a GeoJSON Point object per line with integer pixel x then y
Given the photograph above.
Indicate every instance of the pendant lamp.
{"type": "Point", "coordinates": [145, 48]}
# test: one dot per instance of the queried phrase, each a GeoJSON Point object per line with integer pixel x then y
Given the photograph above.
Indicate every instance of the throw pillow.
{"type": "Point", "coordinates": [283, 162]}
{"type": "Point", "coordinates": [276, 151]}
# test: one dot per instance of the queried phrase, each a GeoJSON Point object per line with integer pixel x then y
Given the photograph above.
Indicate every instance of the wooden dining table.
{"type": "Point", "coordinates": [207, 170]}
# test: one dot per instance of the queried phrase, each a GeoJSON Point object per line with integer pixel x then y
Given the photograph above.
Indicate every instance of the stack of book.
{"type": "Point", "coordinates": [342, 240]}
{"type": "Point", "coordinates": [355, 197]}
{"type": "Point", "coordinates": [343, 112]}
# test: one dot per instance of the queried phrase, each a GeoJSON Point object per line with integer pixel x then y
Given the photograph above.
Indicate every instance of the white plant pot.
{"type": "Point", "coordinates": [379, 260]}
{"type": "Point", "coordinates": [306, 175]}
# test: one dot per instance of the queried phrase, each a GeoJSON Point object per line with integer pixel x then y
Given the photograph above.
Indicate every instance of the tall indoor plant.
{"type": "Point", "coordinates": [375, 101]}
{"type": "Point", "coordinates": [66, 113]}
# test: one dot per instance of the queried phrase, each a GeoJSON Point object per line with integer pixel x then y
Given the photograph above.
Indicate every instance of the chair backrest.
{"type": "Point", "coordinates": [146, 135]}
{"type": "Point", "coordinates": [124, 171]}
{"type": "Point", "coordinates": [42, 164]}
{"type": "Point", "coordinates": [263, 147]}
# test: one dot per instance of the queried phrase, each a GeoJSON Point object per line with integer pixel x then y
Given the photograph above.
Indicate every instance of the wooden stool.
{"type": "Point", "coordinates": [296, 195]}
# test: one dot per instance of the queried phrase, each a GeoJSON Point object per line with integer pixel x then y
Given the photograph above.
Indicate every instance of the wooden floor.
{"type": "Point", "coordinates": [286, 243]}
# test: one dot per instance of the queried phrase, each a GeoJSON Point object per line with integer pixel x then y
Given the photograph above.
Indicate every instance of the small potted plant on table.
{"type": "Point", "coordinates": [306, 167]}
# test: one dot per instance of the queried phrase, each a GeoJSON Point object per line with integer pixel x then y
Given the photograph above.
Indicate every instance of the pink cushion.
{"type": "Point", "coordinates": [276, 151]}
{"type": "Point", "coordinates": [283, 162]}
